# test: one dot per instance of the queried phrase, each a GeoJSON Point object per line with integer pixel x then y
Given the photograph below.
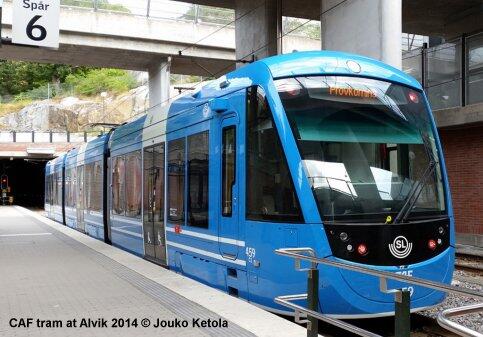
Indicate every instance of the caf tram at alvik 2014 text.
{"type": "Point", "coordinates": [326, 150]}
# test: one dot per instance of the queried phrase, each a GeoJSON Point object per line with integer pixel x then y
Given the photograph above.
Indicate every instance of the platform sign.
{"type": "Point", "coordinates": [36, 22]}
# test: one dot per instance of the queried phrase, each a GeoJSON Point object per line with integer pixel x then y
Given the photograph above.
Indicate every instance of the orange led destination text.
{"type": "Point", "coordinates": [350, 92]}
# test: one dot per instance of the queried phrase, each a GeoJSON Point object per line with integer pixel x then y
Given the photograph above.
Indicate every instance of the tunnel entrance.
{"type": "Point", "coordinates": [26, 180]}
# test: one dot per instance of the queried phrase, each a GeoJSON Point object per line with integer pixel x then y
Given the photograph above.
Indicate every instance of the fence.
{"type": "Point", "coordinates": [46, 137]}
{"type": "Point", "coordinates": [451, 73]}
{"type": "Point", "coordinates": [161, 9]}
{"type": "Point", "coordinates": [46, 91]}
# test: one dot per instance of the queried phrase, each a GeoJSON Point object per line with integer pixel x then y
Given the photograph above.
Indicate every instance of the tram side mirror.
{"type": "Point", "coordinates": [219, 105]}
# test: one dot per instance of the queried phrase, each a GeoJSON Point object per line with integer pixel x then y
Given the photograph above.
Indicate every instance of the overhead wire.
{"type": "Point", "coordinates": [191, 45]}
{"type": "Point", "coordinates": [244, 57]}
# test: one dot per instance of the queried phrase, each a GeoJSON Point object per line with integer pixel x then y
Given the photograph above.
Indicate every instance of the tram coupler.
{"type": "Point", "coordinates": [402, 317]}
{"type": "Point", "coordinates": [312, 301]}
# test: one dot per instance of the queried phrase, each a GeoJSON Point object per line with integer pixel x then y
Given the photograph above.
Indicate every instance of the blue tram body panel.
{"type": "Point", "coordinates": [234, 252]}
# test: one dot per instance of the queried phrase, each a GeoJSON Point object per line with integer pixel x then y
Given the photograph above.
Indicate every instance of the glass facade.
{"type": "Point", "coordinates": [474, 86]}
{"type": "Point", "coordinates": [451, 73]}
{"type": "Point", "coordinates": [443, 81]}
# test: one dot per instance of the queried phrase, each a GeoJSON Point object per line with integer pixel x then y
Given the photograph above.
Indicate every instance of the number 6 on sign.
{"type": "Point", "coordinates": [31, 26]}
{"type": "Point", "coordinates": [36, 22]}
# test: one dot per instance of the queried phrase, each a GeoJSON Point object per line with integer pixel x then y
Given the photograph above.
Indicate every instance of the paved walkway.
{"type": "Point", "coordinates": [51, 272]}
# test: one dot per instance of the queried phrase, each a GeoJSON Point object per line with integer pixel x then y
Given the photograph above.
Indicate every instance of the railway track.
{"type": "Point", "coordinates": [470, 263]}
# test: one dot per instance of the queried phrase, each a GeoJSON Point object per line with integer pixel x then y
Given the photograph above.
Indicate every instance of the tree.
{"type": "Point", "coordinates": [19, 76]}
{"type": "Point", "coordinates": [301, 27]}
{"type": "Point", "coordinates": [209, 14]}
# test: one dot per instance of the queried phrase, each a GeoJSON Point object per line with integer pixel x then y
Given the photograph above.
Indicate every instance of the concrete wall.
{"type": "Point", "coordinates": [126, 41]}
{"type": "Point", "coordinates": [367, 27]}
{"type": "Point", "coordinates": [258, 27]}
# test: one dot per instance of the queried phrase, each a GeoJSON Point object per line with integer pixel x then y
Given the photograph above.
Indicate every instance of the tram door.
{"type": "Point", "coordinates": [80, 198]}
{"type": "Point", "coordinates": [228, 230]}
{"type": "Point", "coordinates": [153, 203]}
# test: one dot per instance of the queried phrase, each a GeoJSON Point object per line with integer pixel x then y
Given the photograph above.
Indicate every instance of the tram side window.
{"type": "Point", "coordinates": [198, 172]}
{"type": "Point", "coordinates": [68, 187]}
{"type": "Point", "coordinates": [71, 185]}
{"type": "Point", "coordinates": [93, 186]}
{"type": "Point", "coordinates": [47, 190]}
{"type": "Point", "coordinates": [176, 163]}
{"type": "Point", "coordinates": [228, 169]}
{"type": "Point", "coordinates": [59, 188]}
{"type": "Point", "coordinates": [133, 184]}
{"type": "Point", "coordinates": [54, 188]}
{"type": "Point", "coordinates": [270, 191]}
{"type": "Point", "coordinates": [118, 190]}
{"type": "Point", "coordinates": [96, 197]}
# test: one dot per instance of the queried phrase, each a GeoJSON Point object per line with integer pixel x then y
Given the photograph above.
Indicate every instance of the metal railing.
{"type": "Point", "coordinates": [401, 297]}
{"type": "Point", "coordinates": [46, 137]}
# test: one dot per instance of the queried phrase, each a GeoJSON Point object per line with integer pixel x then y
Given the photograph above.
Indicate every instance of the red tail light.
{"type": "Point", "coordinates": [362, 249]}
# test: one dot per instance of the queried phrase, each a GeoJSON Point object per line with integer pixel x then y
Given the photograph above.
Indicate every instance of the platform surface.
{"type": "Point", "coordinates": [51, 272]}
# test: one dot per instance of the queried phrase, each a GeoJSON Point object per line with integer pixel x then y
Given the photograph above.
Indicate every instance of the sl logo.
{"type": "Point", "coordinates": [400, 247]}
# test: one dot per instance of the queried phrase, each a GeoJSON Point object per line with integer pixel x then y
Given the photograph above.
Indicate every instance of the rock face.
{"type": "Point", "coordinates": [75, 114]}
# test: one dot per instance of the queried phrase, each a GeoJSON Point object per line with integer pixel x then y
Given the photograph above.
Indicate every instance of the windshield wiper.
{"type": "Point", "coordinates": [418, 186]}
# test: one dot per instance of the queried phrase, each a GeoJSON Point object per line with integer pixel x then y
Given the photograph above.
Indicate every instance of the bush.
{"type": "Point", "coordinates": [98, 80]}
{"type": "Point", "coordinates": [14, 106]}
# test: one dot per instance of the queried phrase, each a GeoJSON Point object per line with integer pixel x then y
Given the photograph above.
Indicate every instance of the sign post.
{"type": "Point", "coordinates": [36, 22]}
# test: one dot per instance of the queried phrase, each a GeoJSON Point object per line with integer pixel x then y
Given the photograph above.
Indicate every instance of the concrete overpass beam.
{"type": "Point", "coordinates": [159, 83]}
{"type": "Point", "coordinates": [258, 27]}
{"type": "Point", "coordinates": [367, 27]}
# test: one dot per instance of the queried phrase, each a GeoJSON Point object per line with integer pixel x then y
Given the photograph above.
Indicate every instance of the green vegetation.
{"type": "Point", "coordinates": [22, 83]}
{"type": "Point", "coordinates": [6, 108]}
{"type": "Point", "coordinates": [296, 26]}
{"type": "Point", "coordinates": [17, 77]}
{"type": "Point", "coordinates": [101, 4]}
{"type": "Point", "coordinates": [210, 14]}
{"type": "Point", "coordinates": [96, 81]}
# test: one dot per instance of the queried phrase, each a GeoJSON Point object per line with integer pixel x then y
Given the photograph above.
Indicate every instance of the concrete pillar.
{"type": "Point", "coordinates": [367, 27]}
{"type": "Point", "coordinates": [159, 83]}
{"type": "Point", "coordinates": [257, 28]}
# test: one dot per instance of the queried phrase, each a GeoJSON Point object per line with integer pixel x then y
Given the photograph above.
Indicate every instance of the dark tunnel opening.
{"type": "Point", "coordinates": [26, 181]}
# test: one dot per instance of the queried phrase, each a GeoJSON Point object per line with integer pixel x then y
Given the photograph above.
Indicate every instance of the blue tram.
{"type": "Point", "coordinates": [322, 149]}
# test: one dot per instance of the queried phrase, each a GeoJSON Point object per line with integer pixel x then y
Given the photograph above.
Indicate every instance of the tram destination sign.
{"type": "Point", "coordinates": [36, 22]}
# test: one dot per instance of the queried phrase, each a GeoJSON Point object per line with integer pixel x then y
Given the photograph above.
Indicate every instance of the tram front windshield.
{"type": "Point", "coordinates": [365, 145]}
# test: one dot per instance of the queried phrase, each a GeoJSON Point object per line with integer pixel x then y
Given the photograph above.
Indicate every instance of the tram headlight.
{"type": "Point", "coordinates": [441, 230]}
{"type": "Point", "coordinates": [343, 236]}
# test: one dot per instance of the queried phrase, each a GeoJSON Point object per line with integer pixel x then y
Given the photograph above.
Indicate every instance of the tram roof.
{"type": "Point", "coordinates": [305, 63]}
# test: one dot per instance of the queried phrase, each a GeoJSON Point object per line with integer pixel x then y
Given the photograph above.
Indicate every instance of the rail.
{"type": "Point", "coordinates": [401, 297]}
